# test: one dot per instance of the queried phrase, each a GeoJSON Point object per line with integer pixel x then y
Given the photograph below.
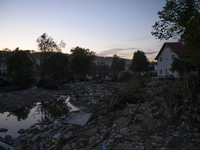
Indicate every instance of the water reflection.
{"type": "Point", "coordinates": [51, 109]}
{"type": "Point", "coordinates": [44, 112]}
{"type": "Point", "coordinates": [21, 113]}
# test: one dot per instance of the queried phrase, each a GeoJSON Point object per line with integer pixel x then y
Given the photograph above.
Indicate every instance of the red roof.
{"type": "Point", "coordinates": [176, 47]}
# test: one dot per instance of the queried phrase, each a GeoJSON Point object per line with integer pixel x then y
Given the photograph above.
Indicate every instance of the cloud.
{"type": "Point", "coordinates": [142, 38]}
{"type": "Point", "coordinates": [149, 52]}
{"type": "Point", "coordinates": [113, 51]}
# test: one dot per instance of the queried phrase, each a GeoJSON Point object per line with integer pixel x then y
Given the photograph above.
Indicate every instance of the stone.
{"type": "Point", "coordinates": [198, 141]}
{"type": "Point", "coordinates": [31, 129]}
{"type": "Point", "coordinates": [73, 145]}
{"type": "Point", "coordinates": [198, 117]}
{"type": "Point", "coordinates": [67, 136]}
{"type": "Point", "coordinates": [156, 137]}
{"type": "Point", "coordinates": [21, 131]}
{"type": "Point", "coordinates": [66, 147]}
{"type": "Point", "coordinates": [28, 135]}
{"type": "Point", "coordinates": [3, 130]}
{"type": "Point", "coordinates": [184, 117]}
{"type": "Point", "coordinates": [121, 122]}
{"type": "Point", "coordinates": [19, 141]}
{"type": "Point", "coordinates": [35, 138]}
{"type": "Point", "coordinates": [118, 136]}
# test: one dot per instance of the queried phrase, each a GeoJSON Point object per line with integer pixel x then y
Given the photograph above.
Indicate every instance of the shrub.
{"type": "Point", "coordinates": [180, 97]}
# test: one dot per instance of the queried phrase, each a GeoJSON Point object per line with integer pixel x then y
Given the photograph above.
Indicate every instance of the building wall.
{"type": "Point", "coordinates": [3, 68]}
{"type": "Point", "coordinates": [164, 62]}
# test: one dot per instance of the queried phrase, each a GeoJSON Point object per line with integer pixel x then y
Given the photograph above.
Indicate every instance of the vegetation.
{"type": "Point", "coordinates": [139, 62]}
{"type": "Point", "coordinates": [99, 67]}
{"type": "Point", "coordinates": [118, 64]}
{"type": "Point", "coordinates": [20, 67]}
{"type": "Point", "coordinates": [57, 66]}
{"type": "Point", "coordinates": [46, 46]}
{"type": "Point", "coordinates": [130, 92]}
{"type": "Point", "coordinates": [81, 61]}
{"type": "Point", "coordinates": [180, 19]}
{"type": "Point", "coordinates": [182, 66]}
{"type": "Point", "coordinates": [180, 97]}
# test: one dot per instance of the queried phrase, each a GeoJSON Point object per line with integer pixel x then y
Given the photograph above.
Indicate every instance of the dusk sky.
{"type": "Point", "coordinates": [106, 27]}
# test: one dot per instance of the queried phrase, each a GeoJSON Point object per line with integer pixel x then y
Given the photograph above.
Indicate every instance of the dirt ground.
{"type": "Point", "coordinates": [110, 128]}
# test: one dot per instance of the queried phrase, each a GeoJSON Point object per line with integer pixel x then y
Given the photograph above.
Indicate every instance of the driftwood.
{"type": "Point", "coordinates": [132, 113]}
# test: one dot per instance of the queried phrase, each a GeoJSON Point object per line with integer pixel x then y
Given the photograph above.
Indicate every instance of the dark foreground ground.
{"type": "Point", "coordinates": [145, 131]}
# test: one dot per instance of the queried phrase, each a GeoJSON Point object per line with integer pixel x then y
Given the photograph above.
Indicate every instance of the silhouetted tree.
{"type": "Point", "coordinates": [20, 67]}
{"type": "Point", "coordinates": [139, 62]}
{"type": "Point", "coordinates": [46, 46]}
{"type": "Point", "coordinates": [6, 49]}
{"type": "Point", "coordinates": [81, 61]}
{"type": "Point", "coordinates": [118, 64]}
{"type": "Point", "coordinates": [57, 66]}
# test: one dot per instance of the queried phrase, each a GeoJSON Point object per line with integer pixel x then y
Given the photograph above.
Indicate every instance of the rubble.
{"type": "Point", "coordinates": [105, 128]}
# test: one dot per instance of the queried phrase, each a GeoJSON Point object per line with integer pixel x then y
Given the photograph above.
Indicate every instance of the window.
{"type": "Point", "coordinates": [160, 71]}
{"type": "Point", "coordinates": [160, 58]}
{"type": "Point", "coordinates": [173, 56]}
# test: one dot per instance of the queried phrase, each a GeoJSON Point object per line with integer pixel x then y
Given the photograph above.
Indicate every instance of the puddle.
{"type": "Point", "coordinates": [46, 111]}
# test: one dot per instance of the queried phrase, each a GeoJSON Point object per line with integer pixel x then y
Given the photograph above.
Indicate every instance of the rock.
{"type": "Point", "coordinates": [3, 130]}
{"type": "Point", "coordinates": [67, 136]}
{"type": "Point", "coordinates": [118, 136]}
{"type": "Point", "coordinates": [28, 135]}
{"type": "Point", "coordinates": [121, 122]}
{"type": "Point", "coordinates": [31, 129]}
{"type": "Point", "coordinates": [21, 131]}
{"type": "Point", "coordinates": [41, 145]}
{"type": "Point", "coordinates": [73, 145]}
{"type": "Point", "coordinates": [184, 117]}
{"type": "Point", "coordinates": [198, 117]}
{"type": "Point", "coordinates": [8, 137]}
{"type": "Point", "coordinates": [35, 138]}
{"type": "Point", "coordinates": [66, 147]}
{"type": "Point", "coordinates": [198, 141]}
{"type": "Point", "coordinates": [18, 141]}
{"type": "Point", "coordinates": [156, 137]}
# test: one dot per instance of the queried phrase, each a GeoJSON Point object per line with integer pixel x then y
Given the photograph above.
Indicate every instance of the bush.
{"type": "Point", "coordinates": [129, 93]}
{"type": "Point", "coordinates": [125, 77]}
{"type": "Point", "coordinates": [180, 97]}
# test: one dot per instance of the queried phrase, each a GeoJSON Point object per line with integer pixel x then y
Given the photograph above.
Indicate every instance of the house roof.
{"type": "Point", "coordinates": [5, 56]}
{"type": "Point", "coordinates": [176, 47]}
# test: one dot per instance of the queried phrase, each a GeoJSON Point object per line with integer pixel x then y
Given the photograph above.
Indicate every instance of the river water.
{"type": "Point", "coordinates": [41, 112]}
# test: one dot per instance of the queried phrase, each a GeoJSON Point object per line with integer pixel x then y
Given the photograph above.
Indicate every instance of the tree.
{"type": "Point", "coordinates": [139, 62]}
{"type": "Point", "coordinates": [20, 67]}
{"type": "Point", "coordinates": [182, 66]}
{"type": "Point", "coordinates": [46, 46]}
{"type": "Point", "coordinates": [57, 66]}
{"type": "Point", "coordinates": [6, 49]}
{"type": "Point", "coordinates": [81, 60]}
{"type": "Point", "coordinates": [181, 19]}
{"type": "Point", "coordinates": [118, 64]}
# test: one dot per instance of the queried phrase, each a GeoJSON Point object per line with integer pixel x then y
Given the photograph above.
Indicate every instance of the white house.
{"type": "Point", "coordinates": [166, 56]}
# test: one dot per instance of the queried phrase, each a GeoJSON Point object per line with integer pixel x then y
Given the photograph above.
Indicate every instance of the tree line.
{"type": "Point", "coordinates": [55, 65]}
